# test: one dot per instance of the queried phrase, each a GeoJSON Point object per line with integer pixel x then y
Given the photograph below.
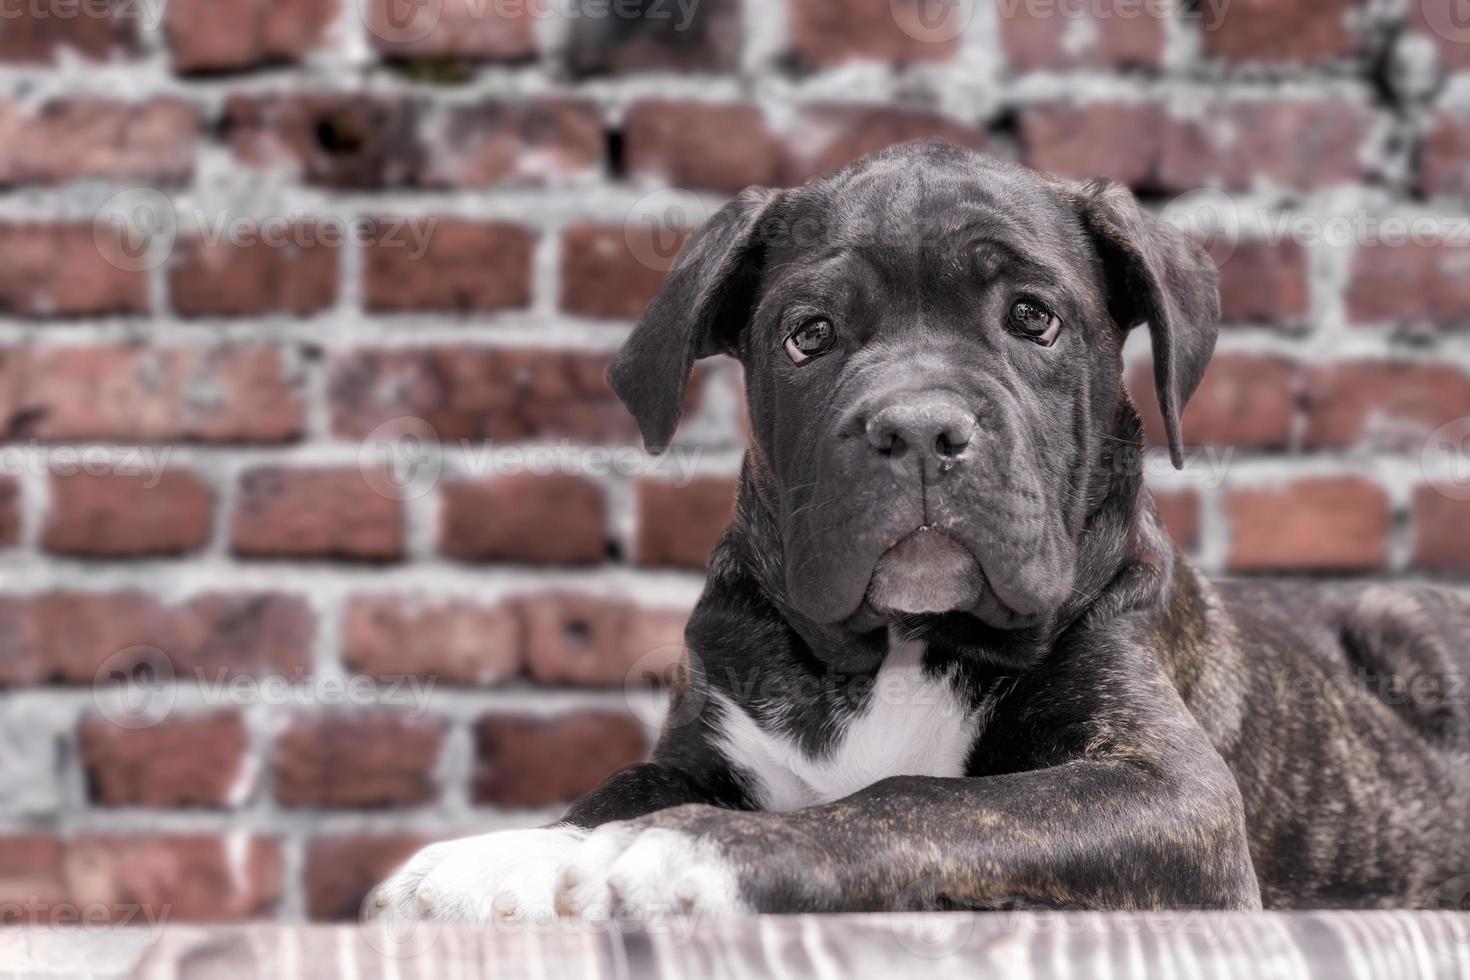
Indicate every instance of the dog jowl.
{"type": "Point", "coordinates": [946, 656]}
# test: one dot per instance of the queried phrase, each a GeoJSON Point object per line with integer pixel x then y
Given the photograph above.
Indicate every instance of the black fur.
{"type": "Point", "coordinates": [1155, 741]}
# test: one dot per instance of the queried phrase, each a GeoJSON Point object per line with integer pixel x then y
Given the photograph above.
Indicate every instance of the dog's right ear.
{"type": "Point", "coordinates": [703, 306]}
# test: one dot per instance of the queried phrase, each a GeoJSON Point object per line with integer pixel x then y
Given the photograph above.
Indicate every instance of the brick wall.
{"type": "Point", "coordinates": [290, 288]}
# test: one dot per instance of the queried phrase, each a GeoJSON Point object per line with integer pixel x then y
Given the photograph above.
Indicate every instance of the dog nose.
{"type": "Point", "coordinates": [931, 426]}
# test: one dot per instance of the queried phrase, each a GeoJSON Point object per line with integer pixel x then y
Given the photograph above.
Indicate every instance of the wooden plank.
{"type": "Point", "coordinates": [1014, 946]}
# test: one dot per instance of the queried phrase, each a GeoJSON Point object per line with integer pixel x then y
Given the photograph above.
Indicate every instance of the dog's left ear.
{"type": "Point", "coordinates": [704, 304]}
{"type": "Point", "coordinates": [1157, 275]}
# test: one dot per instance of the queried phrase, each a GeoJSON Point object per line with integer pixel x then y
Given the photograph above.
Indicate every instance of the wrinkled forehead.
{"type": "Point", "coordinates": [922, 221]}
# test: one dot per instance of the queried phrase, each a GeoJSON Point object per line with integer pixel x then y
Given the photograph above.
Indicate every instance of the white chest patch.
{"type": "Point", "coordinates": [911, 725]}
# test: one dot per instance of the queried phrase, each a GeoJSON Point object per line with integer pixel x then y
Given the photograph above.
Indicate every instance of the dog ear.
{"type": "Point", "coordinates": [704, 304]}
{"type": "Point", "coordinates": [1157, 275]}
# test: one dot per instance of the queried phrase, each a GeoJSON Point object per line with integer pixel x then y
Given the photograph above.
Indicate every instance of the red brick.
{"type": "Point", "coordinates": [360, 142]}
{"type": "Point", "coordinates": [320, 513]}
{"type": "Point", "coordinates": [1120, 140]}
{"type": "Point", "coordinates": [86, 637]}
{"type": "Point", "coordinates": [1325, 524]}
{"type": "Point", "coordinates": [827, 33]}
{"type": "Point", "coordinates": [467, 267]}
{"type": "Point", "coordinates": [59, 270]}
{"type": "Point", "coordinates": [1118, 33]}
{"type": "Point", "coordinates": [30, 877]}
{"type": "Point", "coordinates": [358, 761]}
{"type": "Point", "coordinates": [546, 520]}
{"type": "Point", "coordinates": [451, 641]}
{"type": "Point", "coordinates": [81, 138]}
{"type": "Point", "coordinates": [127, 515]}
{"type": "Point", "coordinates": [707, 145]}
{"type": "Point", "coordinates": [275, 269]}
{"type": "Point", "coordinates": [679, 526]}
{"type": "Point", "coordinates": [507, 395]}
{"type": "Point", "coordinates": [102, 31]}
{"type": "Point", "coordinates": [1444, 162]}
{"type": "Point", "coordinates": [198, 761]}
{"type": "Point", "coordinates": [1443, 23]}
{"type": "Point", "coordinates": [207, 36]}
{"type": "Point", "coordinates": [368, 142]}
{"type": "Point", "coordinates": [1402, 282]}
{"type": "Point", "coordinates": [1180, 510]}
{"type": "Point", "coordinates": [461, 29]}
{"type": "Point", "coordinates": [1265, 283]}
{"type": "Point", "coordinates": [827, 137]}
{"type": "Point", "coordinates": [1297, 144]}
{"type": "Point", "coordinates": [546, 141]}
{"type": "Point", "coordinates": [1245, 401]}
{"type": "Point", "coordinates": [702, 39]}
{"type": "Point", "coordinates": [176, 878]}
{"type": "Point", "coordinates": [1282, 32]}
{"type": "Point", "coordinates": [10, 504]}
{"type": "Point", "coordinates": [602, 274]}
{"type": "Point", "coordinates": [588, 640]}
{"type": "Point", "coordinates": [149, 394]}
{"type": "Point", "coordinates": [1391, 407]}
{"type": "Point", "coordinates": [1441, 532]}
{"type": "Point", "coordinates": [342, 871]}
{"type": "Point", "coordinates": [526, 761]}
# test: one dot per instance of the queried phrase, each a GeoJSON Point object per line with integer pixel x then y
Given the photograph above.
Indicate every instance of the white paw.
{"type": "Point", "coordinates": [511, 874]}
{"type": "Point", "coordinates": [625, 870]}
{"type": "Point", "coordinates": [646, 873]}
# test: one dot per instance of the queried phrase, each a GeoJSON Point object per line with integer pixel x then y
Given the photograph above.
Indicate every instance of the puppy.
{"type": "Point", "coordinates": [947, 656]}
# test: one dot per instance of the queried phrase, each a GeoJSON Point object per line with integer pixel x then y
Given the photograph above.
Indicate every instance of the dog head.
{"type": "Point", "coordinates": [932, 343]}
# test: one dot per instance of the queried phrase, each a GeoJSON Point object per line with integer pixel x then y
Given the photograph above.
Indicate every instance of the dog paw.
{"type": "Point", "coordinates": [640, 871]}
{"type": "Point", "coordinates": [508, 875]}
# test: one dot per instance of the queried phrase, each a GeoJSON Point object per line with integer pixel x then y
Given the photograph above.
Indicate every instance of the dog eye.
{"type": "Point", "coordinates": [812, 339]}
{"type": "Point", "coordinates": [1034, 322]}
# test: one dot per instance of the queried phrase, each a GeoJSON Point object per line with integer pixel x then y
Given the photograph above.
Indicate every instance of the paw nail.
{"type": "Point", "coordinates": [426, 901]}
{"type": "Point", "coordinates": [504, 907]}
{"type": "Point", "coordinates": [380, 902]}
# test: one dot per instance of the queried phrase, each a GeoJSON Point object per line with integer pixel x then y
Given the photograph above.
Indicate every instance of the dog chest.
{"type": "Point", "coordinates": [911, 724]}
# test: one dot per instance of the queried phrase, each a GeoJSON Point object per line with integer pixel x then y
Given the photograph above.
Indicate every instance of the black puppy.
{"type": "Point", "coordinates": [947, 656]}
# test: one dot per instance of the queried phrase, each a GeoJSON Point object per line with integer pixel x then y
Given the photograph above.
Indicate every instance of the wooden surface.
{"type": "Point", "coordinates": [1332, 946]}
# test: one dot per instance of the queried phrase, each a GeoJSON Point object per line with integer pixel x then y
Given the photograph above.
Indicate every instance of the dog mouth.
{"type": "Point", "coordinates": [926, 573]}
